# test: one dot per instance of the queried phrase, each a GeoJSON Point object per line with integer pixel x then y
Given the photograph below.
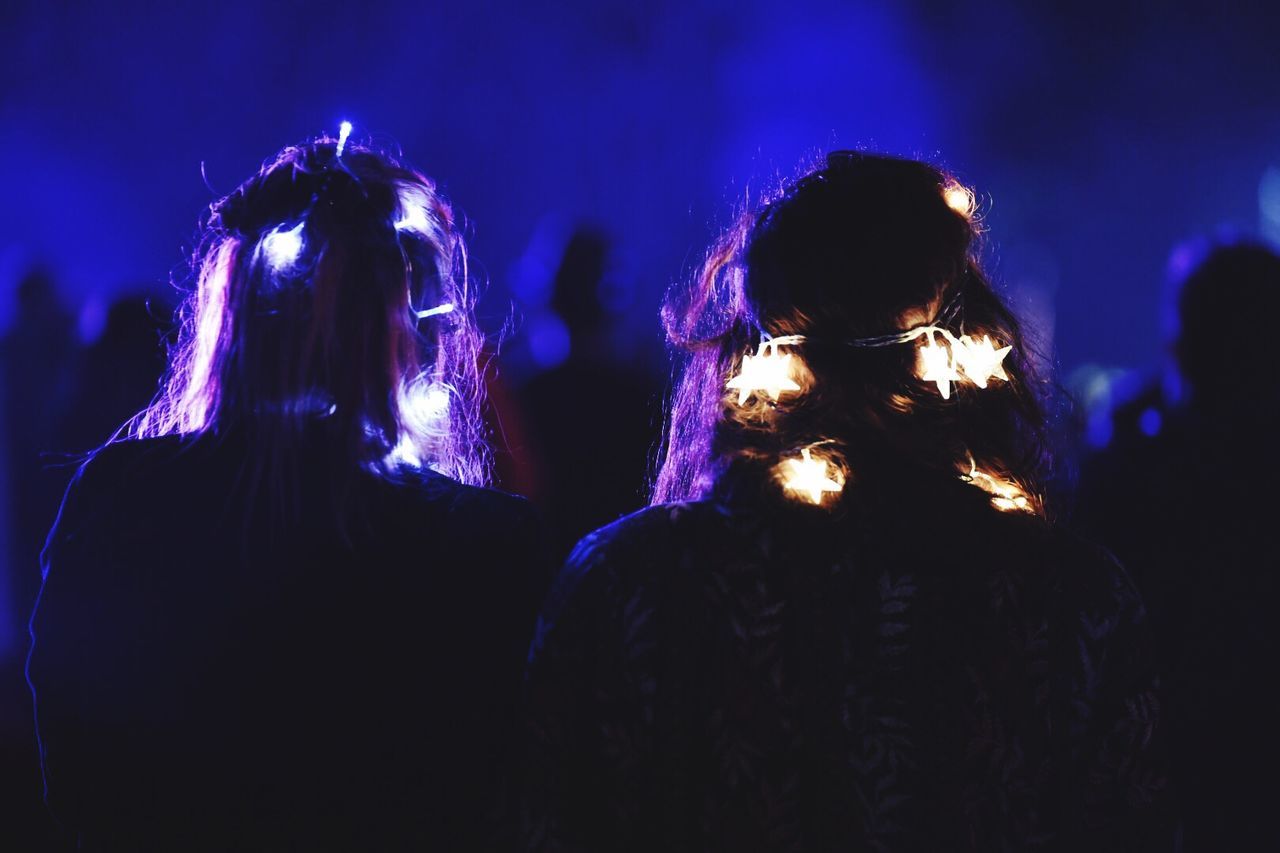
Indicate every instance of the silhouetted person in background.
{"type": "Point", "coordinates": [117, 375]}
{"type": "Point", "coordinates": [592, 421]}
{"type": "Point", "coordinates": [846, 623]}
{"type": "Point", "coordinates": [89, 393]}
{"type": "Point", "coordinates": [284, 614]}
{"type": "Point", "coordinates": [36, 356]}
{"type": "Point", "coordinates": [1182, 494]}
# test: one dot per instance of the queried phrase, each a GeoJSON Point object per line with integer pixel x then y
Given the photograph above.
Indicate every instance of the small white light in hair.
{"type": "Point", "coordinates": [959, 198]}
{"type": "Point", "coordinates": [281, 247]}
{"type": "Point", "coordinates": [424, 410]}
{"type": "Point", "coordinates": [446, 308]}
{"type": "Point", "coordinates": [344, 132]}
{"type": "Point", "coordinates": [812, 478]}
{"type": "Point", "coordinates": [430, 403]}
{"type": "Point", "coordinates": [413, 217]}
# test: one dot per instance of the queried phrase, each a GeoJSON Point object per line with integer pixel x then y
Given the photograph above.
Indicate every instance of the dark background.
{"type": "Point", "coordinates": [1097, 135]}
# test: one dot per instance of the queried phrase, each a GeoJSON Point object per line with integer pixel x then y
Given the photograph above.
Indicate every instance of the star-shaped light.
{"type": "Point", "coordinates": [980, 360]}
{"type": "Point", "coordinates": [1005, 496]}
{"type": "Point", "coordinates": [935, 364]}
{"type": "Point", "coordinates": [769, 372]}
{"type": "Point", "coordinates": [811, 477]}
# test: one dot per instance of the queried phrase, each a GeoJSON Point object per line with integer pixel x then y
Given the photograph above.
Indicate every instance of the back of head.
{"type": "Point", "coordinates": [1215, 285]}
{"type": "Point", "coordinates": [854, 275]}
{"type": "Point", "coordinates": [332, 287]}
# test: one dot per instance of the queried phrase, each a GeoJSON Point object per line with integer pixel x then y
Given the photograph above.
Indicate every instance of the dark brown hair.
{"type": "Point", "coordinates": [862, 247]}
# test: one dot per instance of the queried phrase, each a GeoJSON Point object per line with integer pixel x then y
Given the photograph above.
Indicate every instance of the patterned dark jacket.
{"type": "Point", "coordinates": [915, 671]}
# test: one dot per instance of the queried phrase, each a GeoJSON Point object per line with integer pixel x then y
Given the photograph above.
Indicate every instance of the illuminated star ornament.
{"type": "Point", "coordinates": [946, 358]}
{"type": "Point", "coordinates": [768, 370]}
{"type": "Point", "coordinates": [812, 478]}
{"type": "Point", "coordinates": [1005, 495]}
{"type": "Point", "coordinates": [981, 362]}
{"type": "Point", "coordinates": [938, 364]}
{"type": "Point", "coordinates": [958, 358]}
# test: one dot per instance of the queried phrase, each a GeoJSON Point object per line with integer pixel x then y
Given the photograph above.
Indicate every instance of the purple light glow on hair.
{"type": "Point", "coordinates": [710, 323]}
{"type": "Point", "coordinates": [195, 380]}
{"type": "Point", "coordinates": [306, 308]}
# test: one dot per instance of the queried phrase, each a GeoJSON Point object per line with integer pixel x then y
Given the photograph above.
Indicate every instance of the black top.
{"type": "Point", "coordinates": [213, 674]}
{"type": "Point", "coordinates": [916, 672]}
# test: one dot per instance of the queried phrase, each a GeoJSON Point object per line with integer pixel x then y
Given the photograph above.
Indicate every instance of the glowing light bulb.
{"type": "Point", "coordinates": [424, 409]}
{"type": "Point", "coordinates": [432, 312]}
{"type": "Point", "coordinates": [414, 219]}
{"type": "Point", "coordinates": [344, 132]}
{"type": "Point", "coordinates": [767, 371]}
{"type": "Point", "coordinates": [281, 247]}
{"type": "Point", "coordinates": [428, 403]}
{"type": "Point", "coordinates": [981, 361]}
{"type": "Point", "coordinates": [937, 364]}
{"type": "Point", "coordinates": [959, 198]}
{"type": "Point", "coordinates": [812, 478]}
{"type": "Point", "coordinates": [414, 203]}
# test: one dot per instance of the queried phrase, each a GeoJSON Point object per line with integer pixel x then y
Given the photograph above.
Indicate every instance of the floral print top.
{"type": "Point", "coordinates": [915, 671]}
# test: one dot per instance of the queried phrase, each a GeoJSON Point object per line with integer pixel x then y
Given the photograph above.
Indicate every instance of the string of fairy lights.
{"type": "Point", "coordinates": [944, 357]}
{"type": "Point", "coordinates": [811, 473]}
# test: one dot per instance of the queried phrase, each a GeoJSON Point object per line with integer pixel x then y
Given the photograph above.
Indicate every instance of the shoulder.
{"type": "Point", "coordinates": [1088, 566]}
{"type": "Point", "coordinates": [504, 524]}
{"type": "Point", "coordinates": [1074, 571]}
{"type": "Point", "coordinates": [107, 473]}
{"type": "Point", "coordinates": [1095, 594]}
{"type": "Point", "coordinates": [496, 533]}
{"type": "Point", "coordinates": [467, 507]}
{"type": "Point", "coordinates": [122, 458]}
{"type": "Point", "coordinates": [649, 535]}
{"type": "Point", "coordinates": [641, 549]}
{"type": "Point", "coordinates": [493, 503]}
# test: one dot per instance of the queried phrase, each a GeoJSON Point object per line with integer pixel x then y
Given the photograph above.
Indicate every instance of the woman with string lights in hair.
{"type": "Point", "coordinates": [847, 622]}
{"type": "Point", "coordinates": [284, 613]}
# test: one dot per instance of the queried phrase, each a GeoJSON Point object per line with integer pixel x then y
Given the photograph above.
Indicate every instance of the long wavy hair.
{"type": "Point", "coordinates": [332, 287]}
{"type": "Point", "coordinates": [863, 246]}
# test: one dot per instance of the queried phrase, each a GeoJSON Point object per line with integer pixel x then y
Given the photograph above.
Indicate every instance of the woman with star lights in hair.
{"type": "Point", "coordinates": [283, 611]}
{"type": "Point", "coordinates": [848, 621]}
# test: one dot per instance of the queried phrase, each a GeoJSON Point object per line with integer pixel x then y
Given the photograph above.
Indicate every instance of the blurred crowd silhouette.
{"type": "Point", "coordinates": [587, 471]}
{"type": "Point", "coordinates": [1179, 491]}
{"type": "Point", "coordinates": [1173, 477]}
{"type": "Point", "coordinates": [61, 399]}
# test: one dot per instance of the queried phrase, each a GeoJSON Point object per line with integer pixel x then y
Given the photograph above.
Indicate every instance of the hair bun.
{"type": "Point", "coordinates": [844, 159]}
{"type": "Point", "coordinates": [299, 181]}
{"type": "Point", "coordinates": [274, 196]}
{"type": "Point", "coordinates": [341, 198]}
